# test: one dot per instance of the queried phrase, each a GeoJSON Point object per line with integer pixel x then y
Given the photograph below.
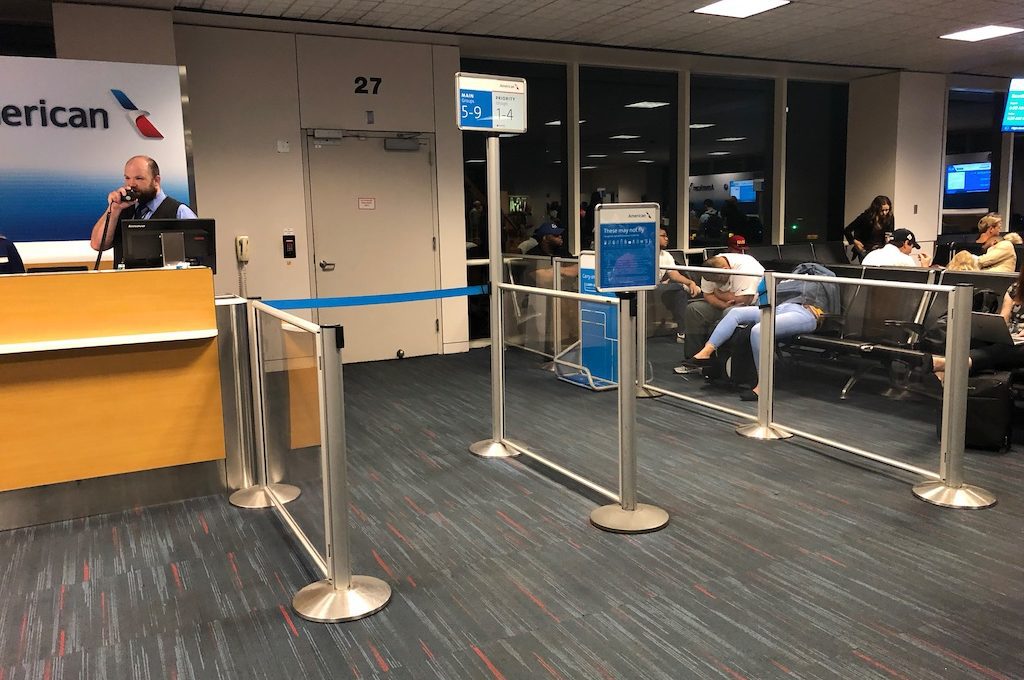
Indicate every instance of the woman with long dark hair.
{"type": "Point", "coordinates": [867, 232]}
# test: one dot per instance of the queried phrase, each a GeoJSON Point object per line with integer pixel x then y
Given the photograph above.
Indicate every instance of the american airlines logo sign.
{"type": "Point", "coordinates": [45, 114]}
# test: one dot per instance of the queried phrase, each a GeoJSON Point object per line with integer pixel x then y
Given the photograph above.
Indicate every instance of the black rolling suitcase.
{"type": "Point", "coordinates": [989, 412]}
{"type": "Point", "coordinates": [735, 360]}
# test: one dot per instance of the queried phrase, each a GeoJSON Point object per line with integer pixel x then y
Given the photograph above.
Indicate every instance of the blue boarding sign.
{"type": "Point", "coordinates": [1013, 117]}
{"type": "Point", "coordinates": [626, 247]}
{"type": "Point", "coordinates": [490, 102]}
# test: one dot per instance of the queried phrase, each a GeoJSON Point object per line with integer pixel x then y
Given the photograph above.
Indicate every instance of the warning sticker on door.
{"type": "Point", "coordinates": [367, 203]}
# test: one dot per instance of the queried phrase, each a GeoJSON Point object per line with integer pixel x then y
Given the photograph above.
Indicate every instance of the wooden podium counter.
{"type": "Point", "coordinates": [109, 372]}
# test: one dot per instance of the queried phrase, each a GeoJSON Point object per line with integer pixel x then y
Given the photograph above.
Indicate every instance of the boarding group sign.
{"type": "Point", "coordinates": [66, 129]}
{"type": "Point", "coordinates": [490, 102]}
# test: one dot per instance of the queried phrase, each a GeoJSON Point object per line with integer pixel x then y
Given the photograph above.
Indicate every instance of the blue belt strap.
{"type": "Point", "coordinates": [359, 300]}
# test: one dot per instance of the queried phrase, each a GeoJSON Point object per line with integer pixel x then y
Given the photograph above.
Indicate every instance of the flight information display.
{"type": "Point", "coordinates": [1013, 116]}
{"type": "Point", "coordinates": [968, 178]}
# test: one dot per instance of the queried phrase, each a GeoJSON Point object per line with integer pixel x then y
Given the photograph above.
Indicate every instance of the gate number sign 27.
{"type": "Point", "coordinates": [362, 82]}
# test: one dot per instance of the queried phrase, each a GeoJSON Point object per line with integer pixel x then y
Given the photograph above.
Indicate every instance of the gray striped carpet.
{"type": "Point", "coordinates": [779, 562]}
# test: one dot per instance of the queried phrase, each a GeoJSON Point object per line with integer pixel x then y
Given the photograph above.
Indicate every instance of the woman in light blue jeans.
{"type": "Point", "coordinates": [801, 307]}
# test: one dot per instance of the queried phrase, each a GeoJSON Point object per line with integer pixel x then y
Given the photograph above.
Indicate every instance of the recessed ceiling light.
{"type": "Point", "coordinates": [476, 160]}
{"type": "Point", "coordinates": [731, 139]}
{"type": "Point", "coordinates": [646, 105]}
{"type": "Point", "coordinates": [740, 9]}
{"type": "Point", "coordinates": [597, 155]}
{"type": "Point", "coordinates": [701, 126]}
{"type": "Point", "coordinates": [718, 153]}
{"type": "Point", "coordinates": [983, 33]}
{"type": "Point", "coordinates": [558, 161]}
{"type": "Point", "coordinates": [645, 160]}
{"type": "Point", "coordinates": [509, 134]}
{"type": "Point", "coordinates": [583, 121]}
{"type": "Point", "coordinates": [553, 122]}
{"type": "Point", "coordinates": [589, 167]}
{"type": "Point", "coordinates": [634, 151]}
{"type": "Point", "coordinates": [624, 137]}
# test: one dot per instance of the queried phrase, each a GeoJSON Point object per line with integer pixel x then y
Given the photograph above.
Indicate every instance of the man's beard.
{"type": "Point", "coordinates": [147, 196]}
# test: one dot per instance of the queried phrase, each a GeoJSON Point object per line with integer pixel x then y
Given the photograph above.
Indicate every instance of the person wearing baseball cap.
{"type": "Point", "coordinates": [895, 253]}
{"type": "Point", "coordinates": [549, 241]}
{"type": "Point", "coordinates": [737, 243]}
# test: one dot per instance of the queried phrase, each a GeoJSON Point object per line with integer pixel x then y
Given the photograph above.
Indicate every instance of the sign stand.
{"type": "Point", "coordinates": [626, 261]}
{"type": "Point", "coordinates": [492, 104]}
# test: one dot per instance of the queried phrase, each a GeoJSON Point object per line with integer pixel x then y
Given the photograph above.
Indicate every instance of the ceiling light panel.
{"type": "Point", "coordinates": [982, 33]}
{"type": "Point", "coordinates": [646, 105]}
{"type": "Point", "coordinates": [740, 9]}
{"type": "Point", "coordinates": [624, 137]}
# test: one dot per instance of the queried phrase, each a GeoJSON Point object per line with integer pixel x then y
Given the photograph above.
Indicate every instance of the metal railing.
{"type": "Point", "coordinates": [340, 595]}
{"type": "Point", "coordinates": [945, 487]}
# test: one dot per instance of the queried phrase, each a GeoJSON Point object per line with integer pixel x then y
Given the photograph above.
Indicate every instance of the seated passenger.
{"type": "Point", "coordinates": [963, 261]}
{"type": "Point", "coordinates": [800, 308]}
{"type": "Point", "coordinates": [735, 287]}
{"type": "Point", "coordinates": [10, 260]}
{"type": "Point", "coordinates": [999, 255]}
{"type": "Point", "coordinates": [895, 253]}
{"type": "Point", "coordinates": [998, 357]}
{"type": "Point", "coordinates": [676, 288]}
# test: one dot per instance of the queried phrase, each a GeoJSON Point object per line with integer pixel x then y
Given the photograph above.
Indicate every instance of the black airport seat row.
{"type": "Point", "coordinates": [879, 326]}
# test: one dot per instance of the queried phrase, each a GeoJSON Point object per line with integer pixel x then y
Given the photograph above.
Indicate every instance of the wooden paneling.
{"type": "Point", "coordinates": [100, 304]}
{"type": "Point", "coordinates": [83, 413]}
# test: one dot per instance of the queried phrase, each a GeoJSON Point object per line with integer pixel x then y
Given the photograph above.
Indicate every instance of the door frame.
{"type": "Point", "coordinates": [328, 136]}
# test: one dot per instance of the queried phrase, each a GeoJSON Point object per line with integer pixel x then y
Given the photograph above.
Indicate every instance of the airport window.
{"type": "Point", "coordinates": [970, 177]}
{"type": "Point", "coordinates": [815, 161]}
{"type": "Point", "coordinates": [533, 175]}
{"type": "Point", "coordinates": [731, 122]}
{"type": "Point", "coordinates": [627, 141]}
{"type": "Point", "coordinates": [1016, 222]}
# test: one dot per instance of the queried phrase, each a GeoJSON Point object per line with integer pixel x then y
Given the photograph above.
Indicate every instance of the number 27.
{"type": "Point", "coordinates": [362, 81]}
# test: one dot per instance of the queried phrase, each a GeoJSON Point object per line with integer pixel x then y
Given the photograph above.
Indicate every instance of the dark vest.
{"type": "Point", "coordinates": [167, 210]}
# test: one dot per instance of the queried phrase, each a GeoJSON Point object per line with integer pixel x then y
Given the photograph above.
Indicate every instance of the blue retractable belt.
{"type": "Point", "coordinates": [360, 300]}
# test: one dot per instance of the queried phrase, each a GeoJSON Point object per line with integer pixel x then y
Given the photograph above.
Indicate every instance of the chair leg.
{"type": "Point", "coordinates": [849, 384]}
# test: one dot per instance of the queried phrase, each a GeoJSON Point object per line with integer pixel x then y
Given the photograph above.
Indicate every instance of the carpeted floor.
{"type": "Point", "coordinates": [779, 562]}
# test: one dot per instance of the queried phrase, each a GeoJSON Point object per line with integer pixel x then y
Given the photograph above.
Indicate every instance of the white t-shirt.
{"type": "Point", "coordinates": [665, 259]}
{"type": "Point", "coordinates": [738, 285]}
{"type": "Point", "coordinates": [888, 256]}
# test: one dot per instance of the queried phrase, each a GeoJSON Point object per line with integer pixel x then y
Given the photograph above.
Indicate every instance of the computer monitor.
{"type": "Point", "coordinates": [142, 242]}
{"type": "Point", "coordinates": [743, 190]}
{"type": "Point", "coordinates": [968, 178]}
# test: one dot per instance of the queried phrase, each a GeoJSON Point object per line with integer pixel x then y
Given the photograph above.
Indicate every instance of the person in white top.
{"type": "Point", "coordinates": [895, 253]}
{"type": "Point", "coordinates": [675, 288]}
{"type": "Point", "coordinates": [735, 286]}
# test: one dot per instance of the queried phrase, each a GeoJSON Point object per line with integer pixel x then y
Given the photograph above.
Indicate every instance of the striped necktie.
{"type": "Point", "coordinates": [141, 211]}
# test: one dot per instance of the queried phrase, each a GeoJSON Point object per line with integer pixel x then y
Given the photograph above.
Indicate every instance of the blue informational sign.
{"type": "Point", "coordinates": [1013, 116]}
{"type": "Point", "coordinates": [490, 102]}
{"type": "Point", "coordinates": [599, 332]}
{"type": "Point", "coordinates": [627, 246]}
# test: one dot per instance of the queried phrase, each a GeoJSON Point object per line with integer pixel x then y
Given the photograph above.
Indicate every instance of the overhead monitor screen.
{"type": "Point", "coordinates": [1013, 117]}
{"type": "Point", "coordinates": [743, 190]}
{"type": "Point", "coordinates": [968, 178]}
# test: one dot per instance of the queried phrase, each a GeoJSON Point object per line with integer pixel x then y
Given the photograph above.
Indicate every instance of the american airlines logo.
{"type": "Point", "coordinates": [138, 118]}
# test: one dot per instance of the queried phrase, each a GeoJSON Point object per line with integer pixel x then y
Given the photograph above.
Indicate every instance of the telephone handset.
{"type": "Point", "coordinates": [242, 249]}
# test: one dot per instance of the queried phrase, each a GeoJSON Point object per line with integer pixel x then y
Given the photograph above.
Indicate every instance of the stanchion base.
{"type": "Point", "coordinates": [966, 497]}
{"type": "Point", "coordinates": [644, 519]}
{"type": "Point", "coordinates": [644, 393]}
{"type": "Point", "coordinates": [757, 431]}
{"type": "Point", "coordinates": [323, 603]}
{"type": "Point", "coordinates": [488, 448]}
{"type": "Point", "coordinates": [548, 366]}
{"type": "Point", "coordinates": [258, 496]}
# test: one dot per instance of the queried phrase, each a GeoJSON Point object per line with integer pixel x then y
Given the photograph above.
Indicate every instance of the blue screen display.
{"type": "Point", "coordinates": [743, 190]}
{"type": "Point", "coordinates": [1013, 117]}
{"type": "Point", "coordinates": [968, 178]}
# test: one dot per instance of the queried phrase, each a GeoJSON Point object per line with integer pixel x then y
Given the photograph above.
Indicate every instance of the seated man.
{"type": "Point", "coordinates": [736, 286]}
{"type": "Point", "coordinates": [10, 260]}
{"type": "Point", "coordinates": [675, 288]}
{"type": "Point", "coordinates": [896, 253]}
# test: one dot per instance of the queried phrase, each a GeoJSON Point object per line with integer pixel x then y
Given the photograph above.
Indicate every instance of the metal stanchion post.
{"type": "Point", "coordinates": [641, 348]}
{"type": "Point", "coordinates": [628, 516]}
{"type": "Point", "coordinates": [950, 491]}
{"type": "Point", "coordinates": [256, 496]}
{"type": "Point", "coordinates": [495, 447]}
{"type": "Point", "coordinates": [763, 428]}
{"type": "Point", "coordinates": [342, 596]}
{"type": "Point", "coordinates": [556, 316]}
